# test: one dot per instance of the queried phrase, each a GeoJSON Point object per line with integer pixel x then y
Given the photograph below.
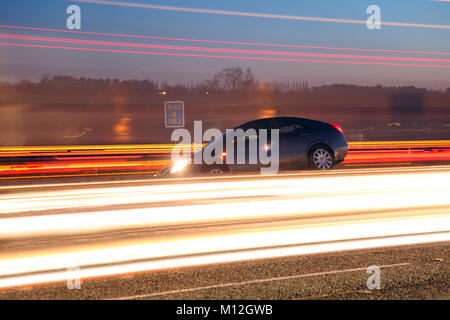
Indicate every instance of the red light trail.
{"type": "Point", "coordinates": [221, 42]}
{"type": "Point", "coordinates": [223, 57]}
{"type": "Point", "coordinates": [222, 50]}
{"type": "Point", "coordinates": [145, 158]}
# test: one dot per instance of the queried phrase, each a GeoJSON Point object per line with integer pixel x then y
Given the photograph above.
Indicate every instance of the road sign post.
{"type": "Point", "coordinates": [174, 114]}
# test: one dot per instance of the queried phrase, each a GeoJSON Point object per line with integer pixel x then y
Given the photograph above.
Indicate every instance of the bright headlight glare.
{"type": "Point", "coordinates": [179, 165]}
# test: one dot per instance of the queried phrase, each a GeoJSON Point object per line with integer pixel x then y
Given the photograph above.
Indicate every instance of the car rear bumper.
{"type": "Point", "coordinates": [340, 152]}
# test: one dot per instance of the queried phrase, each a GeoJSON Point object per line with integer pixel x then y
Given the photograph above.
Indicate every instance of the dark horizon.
{"type": "Point", "coordinates": [164, 84]}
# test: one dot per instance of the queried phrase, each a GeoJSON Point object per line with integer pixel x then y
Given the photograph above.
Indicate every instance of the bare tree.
{"type": "Point", "coordinates": [233, 79]}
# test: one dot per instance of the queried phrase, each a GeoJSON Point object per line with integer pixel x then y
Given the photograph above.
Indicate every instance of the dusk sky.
{"type": "Point", "coordinates": [282, 23]}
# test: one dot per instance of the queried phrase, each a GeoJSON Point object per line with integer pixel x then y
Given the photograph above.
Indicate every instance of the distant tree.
{"type": "Point", "coordinates": [45, 78]}
{"type": "Point", "coordinates": [233, 79]}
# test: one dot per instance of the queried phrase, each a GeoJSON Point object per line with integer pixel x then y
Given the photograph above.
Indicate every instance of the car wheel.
{"type": "Point", "coordinates": [320, 158]}
{"type": "Point", "coordinates": [216, 171]}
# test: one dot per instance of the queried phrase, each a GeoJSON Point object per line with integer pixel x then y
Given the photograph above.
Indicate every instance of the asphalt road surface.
{"type": "Point", "coordinates": [410, 272]}
{"type": "Point", "coordinates": [290, 236]}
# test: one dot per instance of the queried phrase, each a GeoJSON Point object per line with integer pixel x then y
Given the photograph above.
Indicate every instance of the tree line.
{"type": "Point", "coordinates": [232, 80]}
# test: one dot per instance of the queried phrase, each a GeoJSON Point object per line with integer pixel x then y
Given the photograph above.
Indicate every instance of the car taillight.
{"type": "Point", "coordinates": [338, 127]}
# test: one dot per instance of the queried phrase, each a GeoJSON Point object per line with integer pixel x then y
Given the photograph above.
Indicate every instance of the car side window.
{"type": "Point", "coordinates": [300, 127]}
{"type": "Point", "coordinates": [285, 126]}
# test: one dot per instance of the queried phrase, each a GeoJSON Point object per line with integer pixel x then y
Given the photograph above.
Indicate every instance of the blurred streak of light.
{"type": "Point", "coordinates": [335, 172]}
{"type": "Point", "coordinates": [66, 167]}
{"type": "Point", "coordinates": [221, 50]}
{"type": "Point", "coordinates": [222, 57]}
{"type": "Point", "coordinates": [98, 158]}
{"type": "Point", "coordinates": [315, 183]}
{"type": "Point", "coordinates": [155, 148]}
{"type": "Point", "coordinates": [78, 175]}
{"type": "Point", "coordinates": [221, 42]}
{"type": "Point", "coordinates": [218, 249]}
{"type": "Point", "coordinates": [229, 42]}
{"type": "Point", "coordinates": [69, 160]}
{"type": "Point", "coordinates": [311, 195]}
{"type": "Point", "coordinates": [401, 143]}
{"type": "Point", "coordinates": [97, 149]}
{"type": "Point", "coordinates": [130, 268]}
{"type": "Point", "coordinates": [376, 157]}
{"type": "Point", "coordinates": [317, 186]}
{"type": "Point", "coordinates": [377, 164]}
{"type": "Point", "coordinates": [259, 15]}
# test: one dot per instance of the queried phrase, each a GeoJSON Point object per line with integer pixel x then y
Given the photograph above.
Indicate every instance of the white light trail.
{"type": "Point", "coordinates": [296, 214]}
{"type": "Point", "coordinates": [271, 199]}
{"type": "Point", "coordinates": [258, 15]}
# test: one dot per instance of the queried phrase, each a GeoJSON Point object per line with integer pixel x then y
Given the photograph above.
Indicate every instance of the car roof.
{"type": "Point", "coordinates": [308, 122]}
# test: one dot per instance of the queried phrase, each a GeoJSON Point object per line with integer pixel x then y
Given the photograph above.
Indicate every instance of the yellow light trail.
{"type": "Point", "coordinates": [89, 149]}
{"type": "Point", "coordinates": [167, 148]}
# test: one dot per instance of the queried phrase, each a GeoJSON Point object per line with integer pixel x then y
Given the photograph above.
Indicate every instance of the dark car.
{"type": "Point", "coordinates": [302, 144]}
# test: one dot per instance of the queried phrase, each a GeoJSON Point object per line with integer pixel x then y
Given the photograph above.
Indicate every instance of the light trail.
{"type": "Point", "coordinates": [72, 166]}
{"type": "Point", "coordinates": [386, 193]}
{"type": "Point", "coordinates": [238, 218]}
{"type": "Point", "coordinates": [373, 157]}
{"type": "Point", "coordinates": [221, 41]}
{"type": "Point", "coordinates": [221, 56]}
{"type": "Point", "coordinates": [258, 15]}
{"type": "Point", "coordinates": [157, 148]}
{"type": "Point", "coordinates": [221, 50]}
{"type": "Point", "coordinates": [119, 159]}
{"type": "Point", "coordinates": [90, 261]}
{"type": "Point", "coordinates": [149, 181]}
{"type": "Point", "coordinates": [323, 187]}
{"type": "Point", "coordinates": [400, 144]}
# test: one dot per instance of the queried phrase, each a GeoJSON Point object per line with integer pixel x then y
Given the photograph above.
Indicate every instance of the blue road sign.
{"type": "Point", "coordinates": [174, 114]}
